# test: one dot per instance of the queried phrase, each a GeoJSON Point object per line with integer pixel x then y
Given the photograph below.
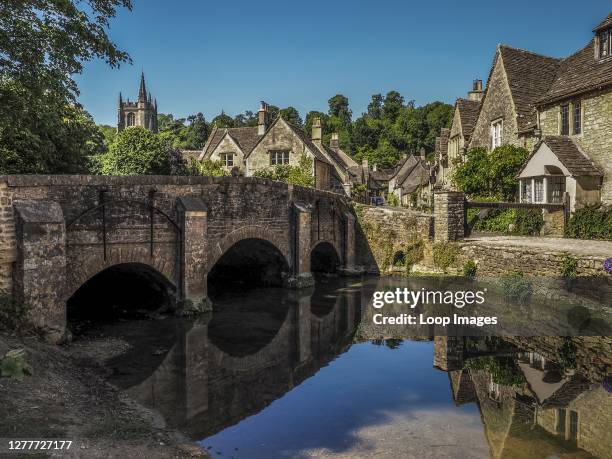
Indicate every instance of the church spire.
{"type": "Point", "coordinates": [142, 94]}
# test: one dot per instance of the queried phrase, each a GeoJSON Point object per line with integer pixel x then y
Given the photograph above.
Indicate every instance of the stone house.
{"type": "Point", "coordinates": [577, 106]}
{"type": "Point", "coordinates": [410, 184]}
{"type": "Point", "coordinates": [464, 118]}
{"type": "Point", "coordinates": [507, 112]}
{"type": "Point", "coordinates": [248, 150]}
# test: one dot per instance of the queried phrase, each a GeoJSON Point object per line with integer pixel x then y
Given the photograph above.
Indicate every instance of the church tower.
{"type": "Point", "coordinates": [140, 113]}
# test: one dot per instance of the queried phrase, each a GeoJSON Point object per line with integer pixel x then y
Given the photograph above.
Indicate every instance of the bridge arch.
{"type": "Point", "coordinates": [121, 288]}
{"type": "Point", "coordinates": [248, 257]}
{"type": "Point", "coordinates": [325, 258]}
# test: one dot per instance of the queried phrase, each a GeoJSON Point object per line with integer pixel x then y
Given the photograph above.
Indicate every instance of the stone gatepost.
{"type": "Point", "coordinates": [449, 216]}
{"type": "Point", "coordinates": [194, 288]}
{"type": "Point", "coordinates": [40, 268]}
{"type": "Point", "coordinates": [300, 240]}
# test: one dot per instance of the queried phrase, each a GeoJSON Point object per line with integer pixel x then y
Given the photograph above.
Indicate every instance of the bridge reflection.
{"type": "Point", "coordinates": [209, 374]}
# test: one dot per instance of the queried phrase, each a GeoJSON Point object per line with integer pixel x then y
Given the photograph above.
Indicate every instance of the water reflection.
{"type": "Point", "coordinates": [278, 373]}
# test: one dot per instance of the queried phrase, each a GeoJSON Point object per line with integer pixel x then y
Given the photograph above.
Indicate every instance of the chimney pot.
{"type": "Point", "coordinates": [476, 93]}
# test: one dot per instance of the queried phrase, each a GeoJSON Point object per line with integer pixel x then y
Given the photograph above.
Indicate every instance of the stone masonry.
{"type": "Point", "coordinates": [56, 232]}
{"type": "Point", "coordinates": [449, 216]}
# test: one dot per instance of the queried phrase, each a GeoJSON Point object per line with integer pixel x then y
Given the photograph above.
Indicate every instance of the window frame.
{"type": "Point", "coordinates": [497, 132]}
{"type": "Point", "coordinates": [577, 117]}
{"type": "Point", "coordinates": [604, 43]}
{"type": "Point", "coordinates": [284, 156]}
{"type": "Point", "coordinates": [564, 121]}
{"type": "Point", "coordinates": [225, 156]}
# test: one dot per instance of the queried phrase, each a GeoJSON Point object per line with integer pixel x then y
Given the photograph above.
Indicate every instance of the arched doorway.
{"type": "Point", "coordinates": [126, 290]}
{"type": "Point", "coordinates": [249, 263]}
{"type": "Point", "coordinates": [324, 259]}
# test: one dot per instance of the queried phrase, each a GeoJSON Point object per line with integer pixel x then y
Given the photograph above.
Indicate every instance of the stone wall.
{"type": "Point", "coordinates": [384, 231]}
{"type": "Point", "coordinates": [8, 248]}
{"type": "Point", "coordinates": [227, 145]}
{"type": "Point", "coordinates": [493, 261]}
{"type": "Point", "coordinates": [595, 139]}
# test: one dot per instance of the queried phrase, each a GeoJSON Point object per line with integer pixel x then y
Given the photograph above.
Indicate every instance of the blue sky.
{"type": "Point", "coordinates": [202, 56]}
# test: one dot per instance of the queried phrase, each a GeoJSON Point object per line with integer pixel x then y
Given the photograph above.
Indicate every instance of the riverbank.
{"type": "Point", "coordinates": [66, 397]}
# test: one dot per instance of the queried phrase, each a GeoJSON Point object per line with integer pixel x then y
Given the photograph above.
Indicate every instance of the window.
{"type": "Point", "coordinates": [556, 189]}
{"type": "Point", "coordinates": [564, 120]}
{"type": "Point", "coordinates": [577, 117]}
{"type": "Point", "coordinates": [227, 159]}
{"type": "Point", "coordinates": [496, 134]}
{"type": "Point", "coordinates": [131, 119]}
{"type": "Point", "coordinates": [526, 192]}
{"type": "Point", "coordinates": [538, 190]}
{"type": "Point", "coordinates": [278, 157]}
{"type": "Point", "coordinates": [605, 43]}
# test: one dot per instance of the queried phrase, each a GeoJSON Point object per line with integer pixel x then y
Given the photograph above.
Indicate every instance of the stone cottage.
{"type": "Point", "coordinates": [464, 118]}
{"type": "Point", "coordinates": [248, 150]}
{"type": "Point", "coordinates": [410, 183]}
{"type": "Point", "coordinates": [575, 122]}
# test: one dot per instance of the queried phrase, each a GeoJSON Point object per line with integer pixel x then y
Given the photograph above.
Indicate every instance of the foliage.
{"type": "Point", "coordinates": [569, 267]}
{"type": "Point", "coordinates": [469, 269]}
{"type": "Point", "coordinates": [525, 222]}
{"type": "Point", "coordinates": [14, 365]}
{"type": "Point", "coordinates": [503, 369]}
{"type": "Point", "coordinates": [516, 287]}
{"type": "Point", "coordinates": [591, 222]}
{"type": "Point", "coordinates": [297, 175]}
{"type": "Point", "coordinates": [444, 254]}
{"type": "Point", "coordinates": [135, 151]}
{"type": "Point", "coordinates": [206, 168]}
{"type": "Point", "coordinates": [184, 133]}
{"type": "Point", "coordinates": [358, 190]}
{"type": "Point", "coordinates": [490, 174]}
{"type": "Point", "coordinates": [42, 46]}
{"type": "Point", "coordinates": [413, 254]}
{"type": "Point", "coordinates": [528, 222]}
{"type": "Point", "coordinates": [393, 200]}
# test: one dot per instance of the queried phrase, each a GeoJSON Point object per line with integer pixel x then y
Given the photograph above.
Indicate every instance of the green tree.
{"type": "Point", "coordinates": [339, 108]}
{"type": "Point", "coordinates": [136, 151]}
{"type": "Point", "coordinates": [291, 115]}
{"type": "Point", "coordinates": [375, 107]}
{"type": "Point", "coordinates": [392, 105]}
{"type": "Point", "coordinates": [223, 121]}
{"type": "Point", "coordinates": [207, 168]}
{"type": "Point", "coordinates": [197, 132]}
{"type": "Point", "coordinates": [42, 45]}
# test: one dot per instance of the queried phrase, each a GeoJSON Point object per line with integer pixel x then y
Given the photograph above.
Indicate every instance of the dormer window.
{"type": "Point", "coordinates": [605, 42]}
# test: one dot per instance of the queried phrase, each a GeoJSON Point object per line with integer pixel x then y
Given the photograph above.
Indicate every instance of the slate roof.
{"type": "Point", "coordinates": [308, 142]}
{"type": "Point", "coordinates": [578, 73]}
{"type": "Point", "coordinates": [339, 156]}
{"type": "Point", "coordinates": [605, 23]}
{"type": "Point", "coordinates": [245, 137]}
{"type": "Point", "coordinates": [468, 113]}
{"type": "Point", "coordinates": [417, 177]}
{"type": "Point", "coordinates": [529, 76]}
{"type": "Point", "coordinates": [570, 155]}
{"type": "Point", "coordinates": [441, 145]}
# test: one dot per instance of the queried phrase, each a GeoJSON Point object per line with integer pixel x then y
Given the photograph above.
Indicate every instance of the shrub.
{"type": "Point", "coordinates": [569, 266]}
{"type": "Point", "coordinates": [392, 200]}
{"type": "Point", "coordinates": [298, 175]}
{"type": "Point", "coordinates": [469, 269]}
{"type": "Point", "coordinates": [503, 370]}
{"type": "Point", "coordinates": [444, 254]}
{"type": "Point", "coordinates": [516, 287]}
{"type": "Point", "coordinates": [207, 168]}
{"type": "Point", "coordinates": [413, 255]}
{"type": "Point", "coordinates": [528, 222]}
{"type": "Point", "coordinates": [591, 222]}
{"type": "Point", "coordinates": [14, 365]}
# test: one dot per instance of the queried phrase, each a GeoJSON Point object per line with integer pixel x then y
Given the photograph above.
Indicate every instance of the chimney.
{"type": "Point", "coordinates": [262, 121]}
{"type": "Point", "coordinates": [316, 129]}
{"type": "Point", "coordinates": [476, 93]}
{"type": "Point", "coordinates": [422, 153]}
{"type": "Point", "coordinates": [333, 143]}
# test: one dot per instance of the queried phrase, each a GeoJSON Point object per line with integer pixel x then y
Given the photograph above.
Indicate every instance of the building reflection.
{"type": "Point", "coordinates": [538, 397]}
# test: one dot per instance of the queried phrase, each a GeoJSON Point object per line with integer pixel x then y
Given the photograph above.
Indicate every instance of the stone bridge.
{"type": "Point", "coordinates": [57, 232]}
